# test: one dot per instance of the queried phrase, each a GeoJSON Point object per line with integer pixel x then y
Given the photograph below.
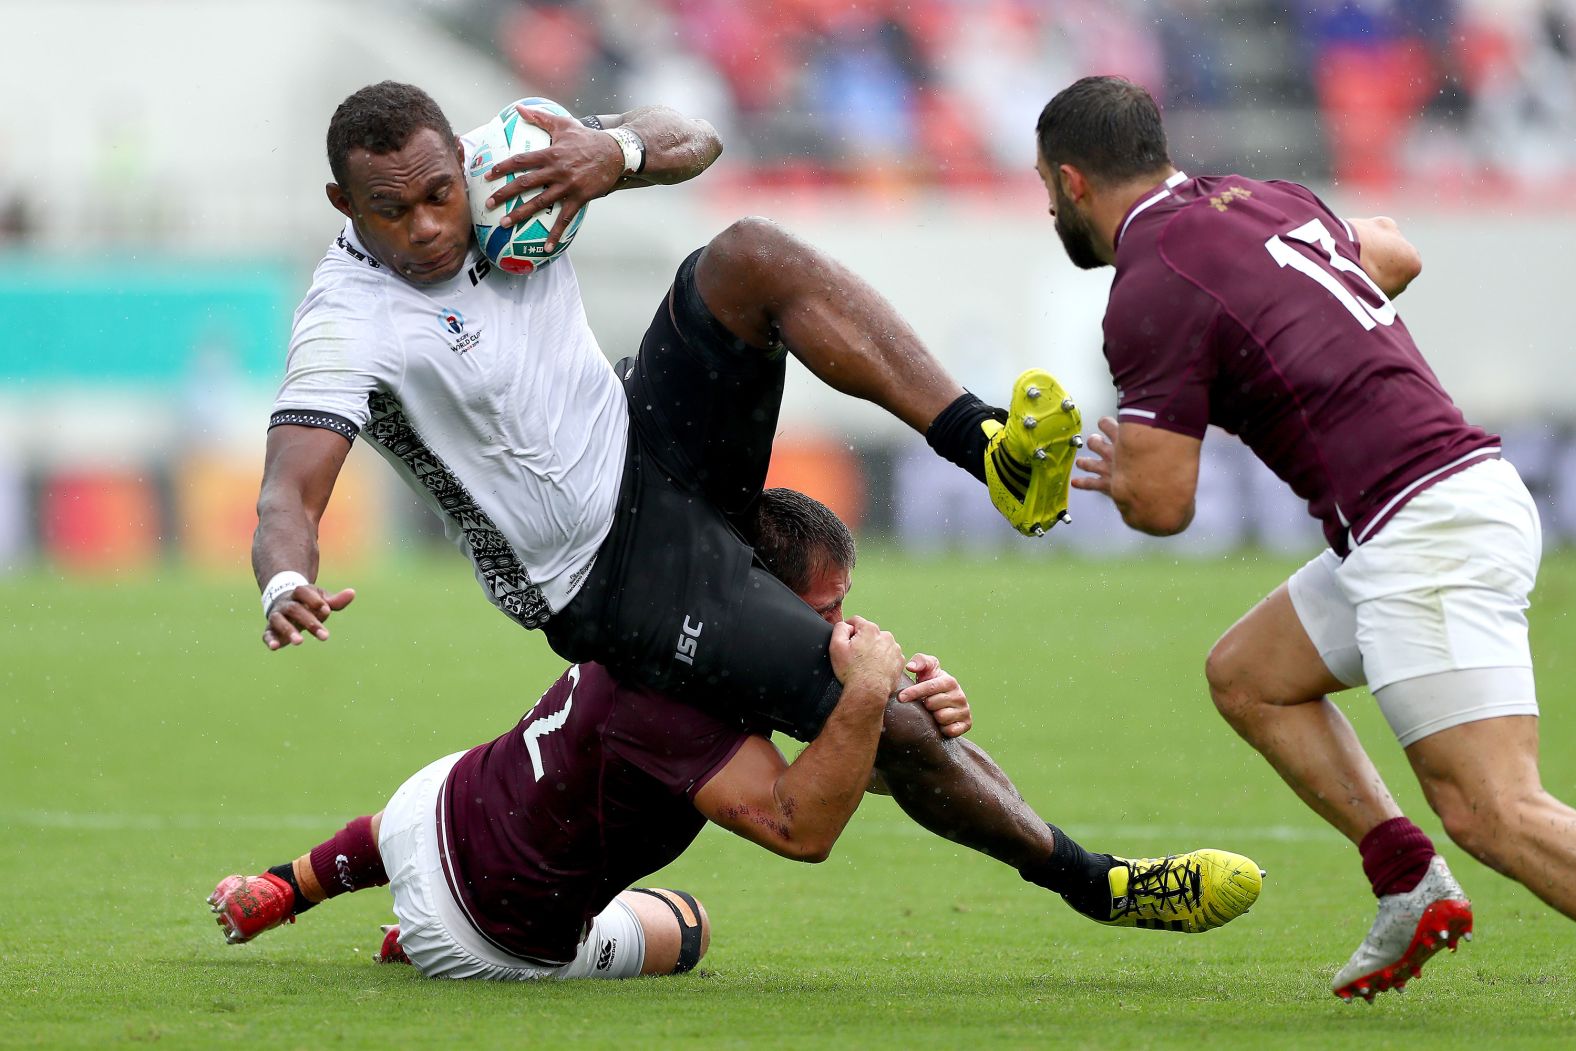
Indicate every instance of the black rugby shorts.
{"type": "Point", "coordinates": [675, 601]}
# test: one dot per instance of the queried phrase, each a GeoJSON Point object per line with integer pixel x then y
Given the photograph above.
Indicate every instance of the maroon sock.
{"type": "Point", "coordinates": [1395, 856]}
{"type": "Point", "coordinates": [349, 861]}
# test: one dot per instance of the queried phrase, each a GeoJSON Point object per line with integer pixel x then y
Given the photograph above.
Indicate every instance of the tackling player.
{"type": "Point", "coordinates": [613, 511]}
{"type": "Point", "coordinates": [1252, 306]}
{"type": "Point", "coordinates": [521, 875]}
{"type": "Point", "coordinates": [509, 861]}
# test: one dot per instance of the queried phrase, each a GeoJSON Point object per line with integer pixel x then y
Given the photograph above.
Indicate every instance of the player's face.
{"type": "Point", "coordinates": [828, 586]}
{"type": "Point", "coordinates": [410, 207]}
{"type": "Point", "coordinates": [1072, 227]}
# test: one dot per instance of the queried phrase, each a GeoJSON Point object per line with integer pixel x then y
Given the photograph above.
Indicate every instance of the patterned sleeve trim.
{"type": "Point", "coordinates": [592, 121]}
{"type": "Point", "coordinates": [308, 418]}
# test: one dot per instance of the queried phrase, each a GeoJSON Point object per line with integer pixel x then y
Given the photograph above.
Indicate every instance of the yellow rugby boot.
{"type": "Point", "coordinates": [1190, 893]}
{"type": "Point", "coordinates": [1029, 461]}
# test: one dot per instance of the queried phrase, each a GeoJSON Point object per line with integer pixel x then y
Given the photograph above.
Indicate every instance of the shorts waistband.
{"type": "Point", "coordinates": [1363, 530]}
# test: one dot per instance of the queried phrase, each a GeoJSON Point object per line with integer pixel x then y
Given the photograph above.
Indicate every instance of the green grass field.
{"type": "Point", "coordinates": [152, 745]}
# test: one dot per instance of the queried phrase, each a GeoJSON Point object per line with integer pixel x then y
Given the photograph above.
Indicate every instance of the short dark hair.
{"type": "Point", "coordinates": [796, 536]}
{"type": "Point", "coordinates": [1107, 127]}
{"type": "Point", "coordinates": [381, 118]}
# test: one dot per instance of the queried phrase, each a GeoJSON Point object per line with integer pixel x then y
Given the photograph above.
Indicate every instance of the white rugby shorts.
{"type": "Point", "coordinates": [1442, 588]}
{"type": "Point", "coordinates": [433, 930]}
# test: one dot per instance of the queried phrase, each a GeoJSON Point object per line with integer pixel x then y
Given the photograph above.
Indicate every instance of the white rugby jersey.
{"type": "Point", "coordinates": [489, 396]}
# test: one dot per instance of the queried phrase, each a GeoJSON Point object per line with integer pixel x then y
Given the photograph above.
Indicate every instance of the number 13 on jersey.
{"type": "Point", "coordinates": [1315, 233]}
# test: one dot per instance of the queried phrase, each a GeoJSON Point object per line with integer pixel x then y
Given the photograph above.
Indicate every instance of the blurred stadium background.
{"type": "Point", "coordinates": [161, 209]}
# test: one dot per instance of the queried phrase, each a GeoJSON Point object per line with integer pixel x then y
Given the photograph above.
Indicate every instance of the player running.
{"type": "Point", "coordinates": [507, 862]}
{"type": "Point", "coordinates": [1252, 306]}
{"type": "Point", "coordinates": [613, 511]}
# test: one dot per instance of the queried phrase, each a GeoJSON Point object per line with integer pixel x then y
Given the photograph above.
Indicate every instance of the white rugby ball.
{"type": "Point", "coordinates": [514, 249]}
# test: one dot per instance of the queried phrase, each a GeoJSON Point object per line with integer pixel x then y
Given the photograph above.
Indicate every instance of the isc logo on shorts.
{"type": "Point", "coordinates": [689, 640]}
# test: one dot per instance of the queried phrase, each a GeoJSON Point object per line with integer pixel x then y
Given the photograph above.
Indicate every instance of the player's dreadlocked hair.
{"type": "Point", "coordinates": [381, 118]}
{"type": "Point", "coordinates": [796, 536]}
{"type": "Point", "coordinates": [1106, 127]}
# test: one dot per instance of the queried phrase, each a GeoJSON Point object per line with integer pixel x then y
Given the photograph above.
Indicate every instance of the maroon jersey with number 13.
{"type": "Point", "coordinates": [1242, 304]}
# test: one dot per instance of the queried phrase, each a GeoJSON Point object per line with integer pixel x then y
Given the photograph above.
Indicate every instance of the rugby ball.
{"type": "Point", "coordinates": [513, 249]}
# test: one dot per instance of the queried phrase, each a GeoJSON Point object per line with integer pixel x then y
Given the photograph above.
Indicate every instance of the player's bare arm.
{"type": "Point", "coordinates": [1149, 473]}
{"type": "Point", "coordinates": [582, 164]}
{"type": "Point", "coordinates": [299, 470]}
{"type": "Point", "coordinates": [940, 693]}
{"type": "Point", "coordinates": [798, 810]}
{"type": "Point", "coordinates": [1387, 257]}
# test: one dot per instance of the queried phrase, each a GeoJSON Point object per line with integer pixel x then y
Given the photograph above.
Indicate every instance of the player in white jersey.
{"type": "Point", "coordinates": [488, 395]}
{"type": "Point", "coordinates": [610, 508]}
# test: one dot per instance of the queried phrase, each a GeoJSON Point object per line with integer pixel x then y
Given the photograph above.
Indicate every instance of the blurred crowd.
{"type": "Point", "coordinates": [1461, 100]}
{"type": "Point", "coordinates": [918, 90]}
{"type": "Point", "coordinates": [1453, 91]}
{"type": "Point", "coordinates": [946, 91]}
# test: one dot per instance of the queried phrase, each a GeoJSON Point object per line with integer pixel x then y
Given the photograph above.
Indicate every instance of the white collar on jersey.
{"type": "Point", "coordinates": [350, 242]}
{"type": "Point", "coordinates": [1172, 183]}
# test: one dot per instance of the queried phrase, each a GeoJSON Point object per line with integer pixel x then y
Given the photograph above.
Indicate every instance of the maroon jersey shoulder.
{"type": "Point", "coordinates": [592, 790]}
{"type": "Point", "coordinates": [1243, 304]}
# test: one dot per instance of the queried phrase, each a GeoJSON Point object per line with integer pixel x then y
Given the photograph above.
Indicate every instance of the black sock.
{"type": "Point", "coordinates": [956, 434]}
{"type": "Point", "coordinates": [286, 872]}
{"type": "Point", "coordinates": [1077, 875]}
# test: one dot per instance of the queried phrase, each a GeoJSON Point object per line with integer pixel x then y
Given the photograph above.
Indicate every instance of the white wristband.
{"type": "Point", "coordinates": [632, 144]}
{"type": "Point", "coordinates": [281, 584]}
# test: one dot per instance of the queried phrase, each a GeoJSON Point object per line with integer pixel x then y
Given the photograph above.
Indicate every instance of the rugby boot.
{"type": "Point", "coordinates": [246, 906]}
{"type": "Point", "coordinates": [391, 951]}
{"type": "Point", "coordinates": [1409, 929]}
{"type": "Point", "coordinates": [1029, 458]}
{"type": "Point", "coordinates": [1189, 893]}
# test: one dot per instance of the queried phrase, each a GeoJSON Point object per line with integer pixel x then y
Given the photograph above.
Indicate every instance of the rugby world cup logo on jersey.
{"type": "Point", "coordinates": [454, 325]}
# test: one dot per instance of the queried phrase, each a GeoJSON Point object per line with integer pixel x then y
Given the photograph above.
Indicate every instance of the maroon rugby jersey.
{"type": "Point", "coordinates": [1241, 304]}
{"type": "Point", "coordinates": [592, 790]}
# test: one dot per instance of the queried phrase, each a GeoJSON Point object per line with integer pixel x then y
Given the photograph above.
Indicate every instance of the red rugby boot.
{"type": "Point", "coordinates": [390, 951]}
{"type": "Point", "coordinates": [246, 906]}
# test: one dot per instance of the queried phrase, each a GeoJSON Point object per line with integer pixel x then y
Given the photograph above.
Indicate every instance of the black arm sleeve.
{"type": "Point", "coordinates": [309, 418]}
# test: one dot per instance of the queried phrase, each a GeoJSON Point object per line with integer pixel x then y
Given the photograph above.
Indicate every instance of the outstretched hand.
{"type": "Point", "coordinates": [940, 694]}
{"type": "Point", "coordinates": [303, 610]}
{"type": "Point", "coordinates": [578, 166]}
{"type": "Point", "coordinates": [1103, 462]}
